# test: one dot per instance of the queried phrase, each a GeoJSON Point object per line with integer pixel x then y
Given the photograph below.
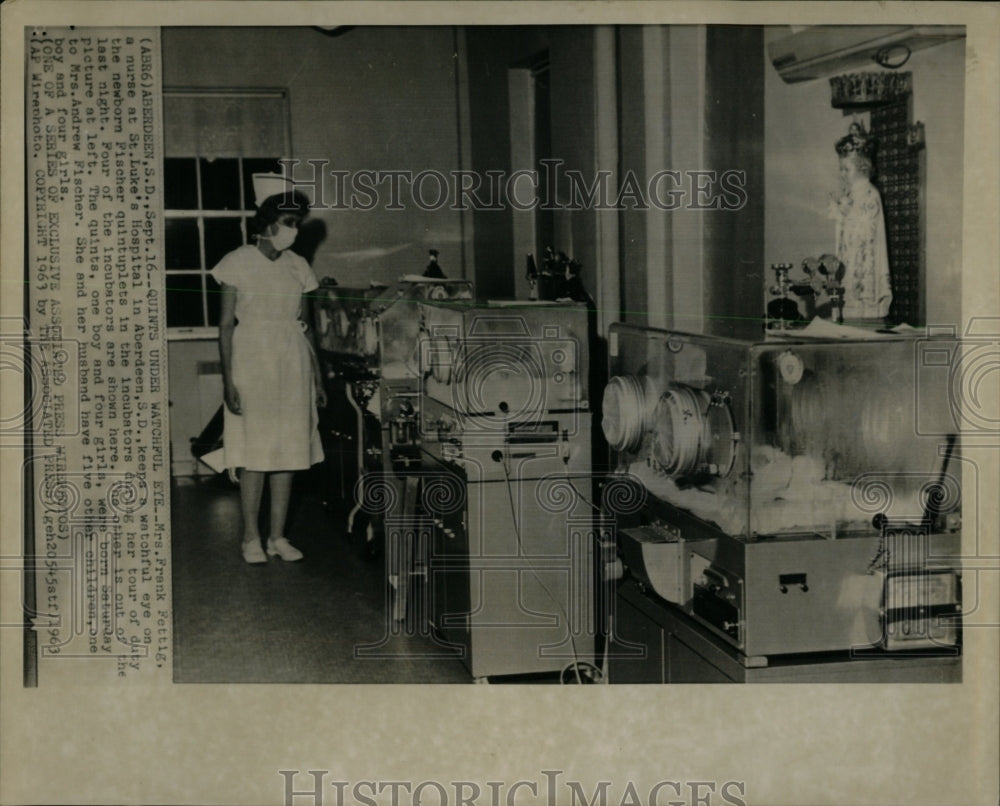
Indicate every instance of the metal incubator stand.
{"type": "Point", "coordinates": [799, 514]}
{"type": "Point", "coordinates": [505, 442]}
{"type": "Point", "coordinates": [368, 344]}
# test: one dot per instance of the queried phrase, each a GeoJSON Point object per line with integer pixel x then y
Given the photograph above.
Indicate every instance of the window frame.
{"type": "Point", "coordinates": [200, 214]}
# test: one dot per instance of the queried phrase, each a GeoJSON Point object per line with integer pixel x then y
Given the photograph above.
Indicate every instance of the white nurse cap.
{"type": "Point", "coordinates": [267, 185]}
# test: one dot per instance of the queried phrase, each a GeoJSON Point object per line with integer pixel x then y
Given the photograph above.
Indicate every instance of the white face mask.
{"type": "Point", "coordinates": [283, 238]}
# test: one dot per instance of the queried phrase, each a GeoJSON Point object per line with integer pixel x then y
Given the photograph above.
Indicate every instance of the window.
{"type": "Point", "coordinates": [214, 141]}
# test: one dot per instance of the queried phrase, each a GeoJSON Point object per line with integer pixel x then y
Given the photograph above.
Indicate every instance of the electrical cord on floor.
{"type": "Point", "coordinates": [576, 664]}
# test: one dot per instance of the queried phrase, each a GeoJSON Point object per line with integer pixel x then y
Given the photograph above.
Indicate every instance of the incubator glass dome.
{"type": "Point", "coordinates": [785, 437]}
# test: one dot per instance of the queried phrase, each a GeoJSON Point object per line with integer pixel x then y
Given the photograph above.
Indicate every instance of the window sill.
{"type": "Point", "coordinates": [192, 333]}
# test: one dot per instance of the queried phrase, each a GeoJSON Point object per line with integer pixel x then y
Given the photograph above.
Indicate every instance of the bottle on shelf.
{"type": "Point", "coordinates": [532, 276]}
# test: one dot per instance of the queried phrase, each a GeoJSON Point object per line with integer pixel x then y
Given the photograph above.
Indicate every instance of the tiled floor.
{"type": "Point", "coordinates": [322, 620]}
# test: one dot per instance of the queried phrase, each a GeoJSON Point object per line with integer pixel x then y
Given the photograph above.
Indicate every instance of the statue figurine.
{"type": "Point", "coordinates": [861, 241]}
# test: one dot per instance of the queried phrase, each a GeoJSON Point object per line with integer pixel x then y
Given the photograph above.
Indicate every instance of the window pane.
{"type": "Point", "coordinates": [184, 298]}
{"type": "Point", "coordinates": [256, 166]}
{"type": "Point", "coordinates": [180, 184]}
{"type": "Point", "coordinates": [181, 248]}
{"type": "Point", "coordinates": [222, 235]}
{"type": "Point", "coordinates": [220, 184]}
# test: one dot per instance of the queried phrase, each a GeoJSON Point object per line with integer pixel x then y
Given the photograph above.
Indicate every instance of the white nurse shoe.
{"type": "Point", "coordinates": [280, 547]}
{"type": "Point", "coordinates": [253, 553]}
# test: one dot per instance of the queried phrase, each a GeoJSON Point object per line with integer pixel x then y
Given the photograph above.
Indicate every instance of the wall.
{"type": "Point", "coordinates": [632, 158]}
{"type": "Point", "coordinates": [372, 98]}
{"type": "Point", "coordinates": [574, 139]}
{"type": "Point", "coordinates": [734, 101]}
{"type": "Point", "coordinates": [492, 52]}
{"type": "Point", "coordinates": [689, 102]}
{"type": "Point", "coordinates": [939, 101]}
{"type": "Point", "coordinates": [800, 168]}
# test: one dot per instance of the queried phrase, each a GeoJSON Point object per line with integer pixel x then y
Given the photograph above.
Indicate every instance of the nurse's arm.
{"type": "Point", "coordinates": [306, 316]}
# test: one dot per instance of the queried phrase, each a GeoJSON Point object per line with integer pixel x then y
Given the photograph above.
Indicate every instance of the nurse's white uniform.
{"type": "Point", "coordinates": [271, 364]}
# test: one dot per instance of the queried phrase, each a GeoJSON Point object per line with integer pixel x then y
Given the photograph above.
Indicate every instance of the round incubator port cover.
{"type": "Point", "coordinates": [623, 407]}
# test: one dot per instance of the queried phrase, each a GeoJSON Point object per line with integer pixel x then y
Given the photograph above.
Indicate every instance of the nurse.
{"type": "Point", "coordinates": [271, 376]}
